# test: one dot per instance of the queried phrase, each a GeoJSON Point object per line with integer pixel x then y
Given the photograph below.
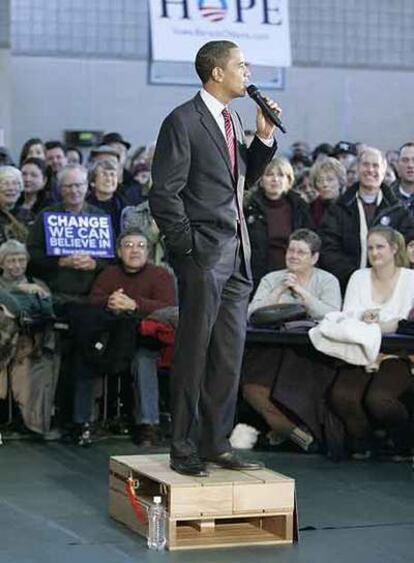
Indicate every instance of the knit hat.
{"type": "Point", "coordinates": [114, 137]}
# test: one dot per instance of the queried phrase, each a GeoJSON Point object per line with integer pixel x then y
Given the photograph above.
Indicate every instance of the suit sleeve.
{"type": "Point", "coordinates": [170, 172]}
{"type": "Point", "coordinates": [258, 157]}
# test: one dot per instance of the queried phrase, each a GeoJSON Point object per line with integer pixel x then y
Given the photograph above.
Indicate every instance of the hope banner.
{"type": "Point", "coordinates": [66, 234]}
{"type": "Point", "coordinates": [259, 27]}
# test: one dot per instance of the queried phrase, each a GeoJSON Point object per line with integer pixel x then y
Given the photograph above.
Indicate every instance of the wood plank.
{"type": "Point", "coordinates": [268, 476]}
{"type": "Point", "coordinates": [160, 473]}
{"type": "Point", "coordinates": [120, 509]}
{"type": "Point", "coordinates": [201, 501]}
{"type": "Point", "coordinates": [230, 534]}
{"type": "Point", "coordinates": [228, 508]}
{"type": "Point", "coordinates": [222, 476]}
{"type": "Point", "coordinates": [204, 526]}
{"type": "Point", "coordinates": [226, 543]}
{"type": "Point", "coordinates": [264, 496]}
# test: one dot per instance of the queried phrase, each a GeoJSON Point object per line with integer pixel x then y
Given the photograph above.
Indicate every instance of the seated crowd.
{"type": "Point", "coordinates": [334, 223]}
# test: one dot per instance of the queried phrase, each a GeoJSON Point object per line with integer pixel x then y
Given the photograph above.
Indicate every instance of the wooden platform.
{"type": "Point", "coordinates": [228, 508]}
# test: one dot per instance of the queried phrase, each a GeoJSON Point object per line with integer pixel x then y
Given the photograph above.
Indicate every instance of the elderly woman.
{"type": "Point", "coordinates": [32, 365]}
{"type": "Point", "coordinates": [264, 367]}
{"type": "Point", "coordinates": [103, 183]}
{"type": "Point", "coordinates": [13, 262]}
{"type": "Point", "coordinates": [11, 187]}
{"type": "Point", "coordinates": [365, 401]}
{"type": "Point", "coordinates": [328, 178]}
{"type": "Point", "coordinates": [272, 213]}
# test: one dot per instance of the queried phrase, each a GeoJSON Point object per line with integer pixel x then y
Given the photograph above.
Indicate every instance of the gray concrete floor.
{"type": "Point", "coordinates": [53, 508]}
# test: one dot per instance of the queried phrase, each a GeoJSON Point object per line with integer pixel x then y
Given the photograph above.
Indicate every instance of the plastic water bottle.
{"type": "Point", "coordinates": [156, 525]}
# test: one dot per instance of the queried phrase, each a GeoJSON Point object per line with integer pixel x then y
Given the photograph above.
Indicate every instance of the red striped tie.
{"type": "Point", "coordinates": [228, 127]}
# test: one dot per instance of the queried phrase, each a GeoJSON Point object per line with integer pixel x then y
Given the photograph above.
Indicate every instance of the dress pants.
{"type": "Point", "coordinates": [208, 351]}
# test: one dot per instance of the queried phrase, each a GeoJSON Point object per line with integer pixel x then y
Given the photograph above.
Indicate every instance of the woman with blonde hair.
{"type": "Point", "coordinates": [328, 178]}
{"type": "Point", "coordinates": [381, 399]}
{"type": "Point", "coordinates": [272, 213]}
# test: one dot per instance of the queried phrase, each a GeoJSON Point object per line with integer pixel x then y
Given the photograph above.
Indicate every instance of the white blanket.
{"type": "Point", "coordinates": [342, 336]}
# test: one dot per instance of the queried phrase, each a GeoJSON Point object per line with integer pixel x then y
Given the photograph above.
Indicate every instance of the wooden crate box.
{"type": "Point", "coordinates": [227, 508]}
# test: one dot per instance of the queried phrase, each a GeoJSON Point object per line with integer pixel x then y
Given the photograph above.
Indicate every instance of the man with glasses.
{"type": "Point", "coordinates": [70, 278]}
{"type": "Point", "coordinates": [135, 285]}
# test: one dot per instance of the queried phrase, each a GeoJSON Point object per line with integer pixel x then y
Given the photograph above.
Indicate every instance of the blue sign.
{"type": "Point", "coordinates": [67, 233]}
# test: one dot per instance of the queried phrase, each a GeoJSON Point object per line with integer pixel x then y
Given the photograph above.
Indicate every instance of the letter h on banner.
{"type": "Point", "coordinates": [183, 3]}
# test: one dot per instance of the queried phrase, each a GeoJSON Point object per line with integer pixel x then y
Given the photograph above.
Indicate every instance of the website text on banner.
{"type": "Point", "coordinates": [260, 27]}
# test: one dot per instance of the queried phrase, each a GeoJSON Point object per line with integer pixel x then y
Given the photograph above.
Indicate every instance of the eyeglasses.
{"type": "Point", "coordinates": [128, 244]}
{"type": "Point", "coordinates": [300, 253]}
{"type": "Point", "coordinates": [74, 186]}
{"type": "Point", "coordinates": [107, 173]}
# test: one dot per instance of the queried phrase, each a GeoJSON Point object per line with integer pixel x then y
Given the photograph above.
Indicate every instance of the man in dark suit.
{"type": "Point", "coordinates": [201, 165]}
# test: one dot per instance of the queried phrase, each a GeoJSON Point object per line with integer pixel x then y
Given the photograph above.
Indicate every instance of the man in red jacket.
{"type": "Point", "coordinates": [137, 285]}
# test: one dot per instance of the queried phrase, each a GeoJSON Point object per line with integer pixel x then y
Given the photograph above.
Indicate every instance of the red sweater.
{"type": "Point", "coordinates": [152, 287]}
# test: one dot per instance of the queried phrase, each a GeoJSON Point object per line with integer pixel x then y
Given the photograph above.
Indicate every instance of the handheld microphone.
{"type": "Point", "coordinates": [255, 94]}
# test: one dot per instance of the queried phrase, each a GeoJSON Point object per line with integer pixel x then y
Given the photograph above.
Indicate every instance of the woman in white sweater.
{"type": "Point", "coordinates": [384, 399]}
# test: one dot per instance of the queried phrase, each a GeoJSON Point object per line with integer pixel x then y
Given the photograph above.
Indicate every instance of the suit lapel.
{"type": "Point", "coordinates": [210, 125]}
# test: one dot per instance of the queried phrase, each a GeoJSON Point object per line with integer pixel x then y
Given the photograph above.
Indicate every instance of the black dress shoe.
{"type": "Point", "coordinates": [189, 465]}
{"type": "Point", "coordinates": [230, 460]}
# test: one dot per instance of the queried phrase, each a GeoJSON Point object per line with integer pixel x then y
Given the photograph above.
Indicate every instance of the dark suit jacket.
{"type": "Point", "coordinates": [193, 194]}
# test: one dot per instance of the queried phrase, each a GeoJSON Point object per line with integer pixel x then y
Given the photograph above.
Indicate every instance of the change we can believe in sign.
{"type": "Point", "coordinates": [66, 233]}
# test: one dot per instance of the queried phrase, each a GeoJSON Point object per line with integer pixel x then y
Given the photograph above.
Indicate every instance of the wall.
{"type": "Point", "coordinates": [5, 95]}
{"type": "Point", "coordinates": [319, 104]}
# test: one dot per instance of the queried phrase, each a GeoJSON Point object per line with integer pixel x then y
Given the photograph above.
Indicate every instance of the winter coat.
{"type": "Point", "coordinates": [256, 218]}
{"type": "Point", "coordinates": [340, 230]}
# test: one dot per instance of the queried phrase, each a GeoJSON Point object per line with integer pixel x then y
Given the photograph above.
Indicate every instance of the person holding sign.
{"type": "Point", "coordinates": [67, 267]}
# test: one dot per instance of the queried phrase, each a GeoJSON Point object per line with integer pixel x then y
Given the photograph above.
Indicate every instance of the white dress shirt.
{"type": "Point", "coordinates": [215, 107]}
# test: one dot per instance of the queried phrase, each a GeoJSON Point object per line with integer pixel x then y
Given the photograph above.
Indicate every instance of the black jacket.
{"type": "Point", "coordinates": [256, 219]}
{"type": "Point", "coordinates": [340, 230]}
{"type": "Point", "coordinates": [408, 201]}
